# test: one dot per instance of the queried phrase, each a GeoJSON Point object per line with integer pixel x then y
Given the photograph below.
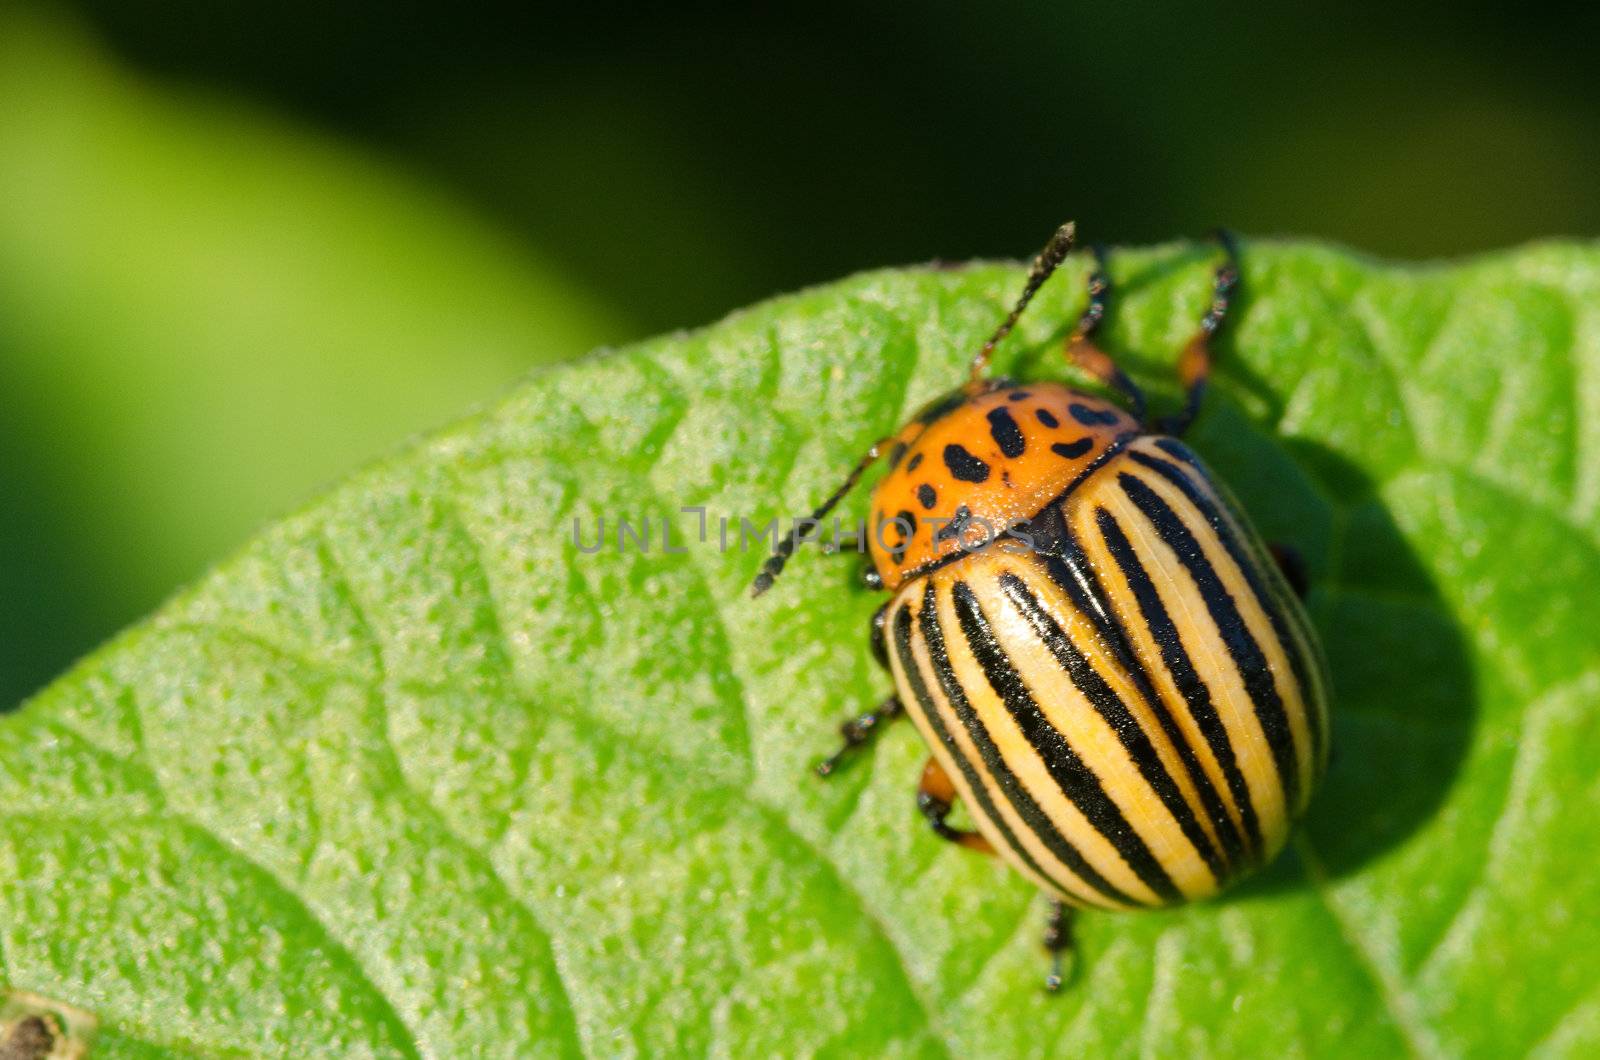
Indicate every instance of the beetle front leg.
{"type": "Point", "coordinates": [1194, 363]}
{"type": "Point", "coordinates": [859, 730]}
{"type": "Point", "coordinates": [1081, 349]}
{"type": "Point", "coordinates": [936, 796]}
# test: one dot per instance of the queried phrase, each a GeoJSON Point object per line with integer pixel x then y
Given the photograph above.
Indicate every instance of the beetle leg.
{"type": "Point", "coordinates": [1082, 351]}
{"type": "Point", "coordinates": [935, 797]}
{"type": "Point", "coordinates": [1292, 566]}
{"type": "Point", "coordinates": [859, 730]}
{"type": "Point", "coordinates": [1057, 940]}
{"type": "Point", "coordinates": [1194, 363]}
{"type": "Point", "coordinates": [880, 648]}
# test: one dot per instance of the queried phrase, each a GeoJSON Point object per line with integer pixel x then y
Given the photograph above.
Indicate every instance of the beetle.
{"type": "Point", "coordinates": [1111, 671]}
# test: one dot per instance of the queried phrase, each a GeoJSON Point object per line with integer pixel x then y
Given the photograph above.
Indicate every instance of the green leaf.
{"type": "Point", "coordinates": [414, 775]}
{"type": "Point", "coordinates": [206, 314]}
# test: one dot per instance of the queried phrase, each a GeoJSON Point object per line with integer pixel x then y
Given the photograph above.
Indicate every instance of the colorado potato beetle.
{"type": "Point", "coordinates": [1120, 686]}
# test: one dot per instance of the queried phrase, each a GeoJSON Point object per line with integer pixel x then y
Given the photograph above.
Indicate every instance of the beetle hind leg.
{"type": "Point", "coordinates": [936, 797]}
{"type": "Point", "coordinates": [1057, 941]}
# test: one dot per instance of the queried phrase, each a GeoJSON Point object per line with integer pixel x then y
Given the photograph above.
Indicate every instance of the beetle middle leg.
{"type": "Point", "coordinates": [859, 730]}
{"type": "Point", "coordinates": [936, 797]}
{"type": "Point", "coordinates": [1081, 349]}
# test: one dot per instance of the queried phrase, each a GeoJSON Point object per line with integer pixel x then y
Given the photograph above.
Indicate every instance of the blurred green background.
{"type": "Point", "coordinates": [245, 247]}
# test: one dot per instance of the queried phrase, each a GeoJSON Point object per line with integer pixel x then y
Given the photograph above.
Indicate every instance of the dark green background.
{"type": "Point", "coordinates": [671, 165]}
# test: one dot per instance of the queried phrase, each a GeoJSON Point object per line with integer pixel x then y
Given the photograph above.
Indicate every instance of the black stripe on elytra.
{"type": "Point", "coordinates": [1047, 418]}
{"type": "Point", "coordinates": [1072, 450]}
{"type": "Point", "coordinates": [1034, 817]}
{"type": "Point", "coordinates": [1249, 559]}
{"type": "Point", "coordinates": [1104, 699]}
{"type": "Point", "coordinates": [1178, 451]}
{"type": "Point", "coordinates": [1072, 776]}
{"type": "Point", "coordinates": [963, 465]}
{"type": "Point", "coordinates": [1176, 659]}
{"type": "Point", "coordinates": [1005, 432]}
{"type": "Point", "coordinates": [1246, 654]}
{"type": "Point", "coordinates": [927, 496]}
{"type": "Point", "coordinates": [1076, 576]}
{"type": "Point", "coordinates": [930, 714]}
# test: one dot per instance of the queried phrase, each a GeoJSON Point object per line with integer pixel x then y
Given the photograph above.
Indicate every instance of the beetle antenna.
{"type": "Point", "coordinates": [1049, 259]}
{"type": "Point", "coordinates": [802, 527]}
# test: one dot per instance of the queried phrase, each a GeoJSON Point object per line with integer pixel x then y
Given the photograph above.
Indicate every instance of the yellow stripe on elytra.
{"type": "Point", "coordinates": [1027, 765]}
{"type": "Point", "coordinates": [1121, 600]}
{"type": "Point", "coordinates": [1205, 646]}
{"type": "Point", "coordinates": [1294, 617]}
{"type": "Point", "coordinates": [1089, 734]}
{"type": "Point", "coordinates": [1066, 883]}
{"type": "Point", "coordinates": [1255, 619]}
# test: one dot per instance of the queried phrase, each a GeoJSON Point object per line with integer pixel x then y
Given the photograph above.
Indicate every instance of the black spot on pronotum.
{"type": "Point", "coordinates": [957, 525]}
{"type": "Point", "coordinates": [896, 452]}
{"type": "Point", "coordinates": [963, 465]}
{"type": "Point", "coordinates": [1091, 417]}
{"type": "Point", "coordinates": [927, 496]}
{"type": "Point", "coordinates": [915, 462]}
{"type": "Point", "coordinates": [1005, 432]}
{"type": "Point", "coordinates": [1018, 395]}
{"type": "Point", "coordinates": [905, 525]}
{"type": "Point", "coordinates": [1073, 450]}
{"type": "Point", "coordinates": [1047, 418]}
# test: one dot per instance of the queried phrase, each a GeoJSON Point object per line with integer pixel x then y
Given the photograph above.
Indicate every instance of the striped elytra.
{"type": "Point", "coordinates": [1109, 668]}
{"type": "Point", "coordinates": [1133, 708]}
